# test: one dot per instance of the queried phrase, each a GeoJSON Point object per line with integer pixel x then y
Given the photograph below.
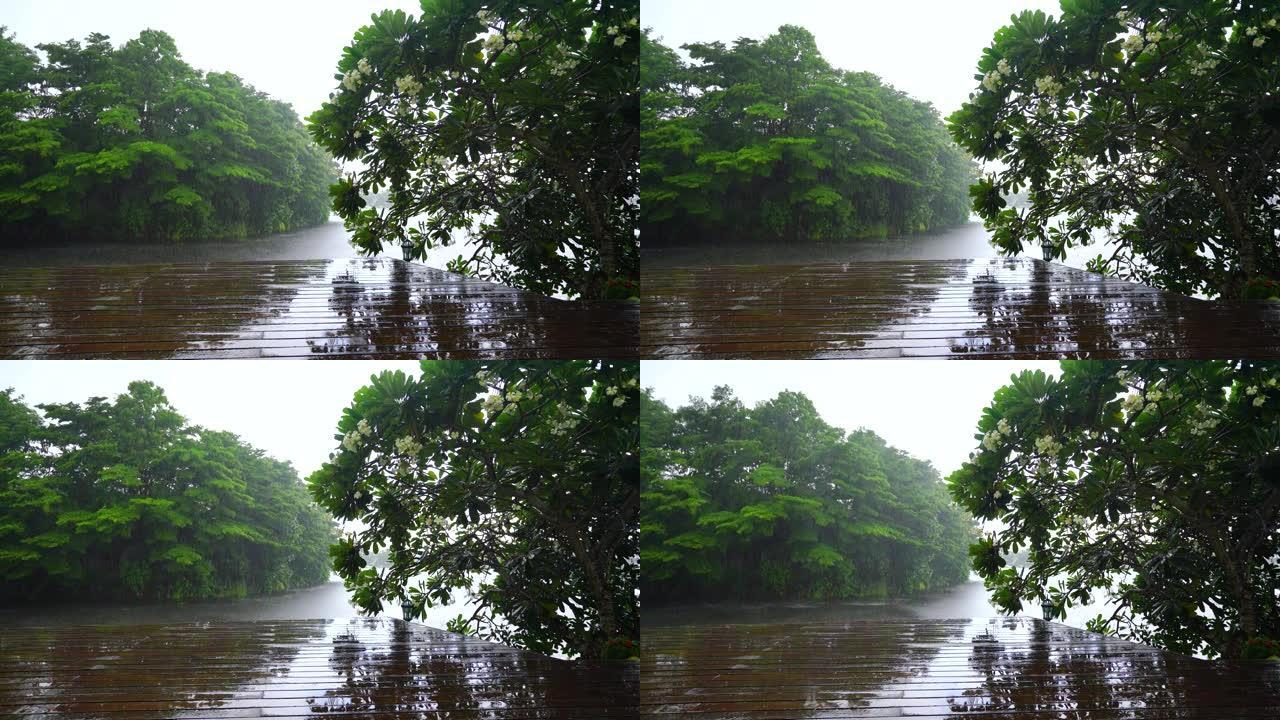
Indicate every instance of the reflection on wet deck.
{"type": "Point", "coordinates": [986, 308]}
{"type": "Point", "coordinates": [998, 669]}
{"type": "Point", "coordinates": [363, 668]}
{"type": "Point", "coordinates": [349, 308]}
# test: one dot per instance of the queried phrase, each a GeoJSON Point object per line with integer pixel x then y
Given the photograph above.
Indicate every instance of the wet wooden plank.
{"type": "Point", "coordinates": [360, 668]}
{"type": "Point", "coordinates": [999, 308]}
{"type": "Point", "coordinates": [1001, 668]}
{"type": "Point", "coordinates": [375, 308]}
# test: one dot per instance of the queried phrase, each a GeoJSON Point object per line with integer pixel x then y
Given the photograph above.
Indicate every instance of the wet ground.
{"type": "Point", "coordinates": [993, 669]}
{"type": "Point", "coordinates": [355, 308]}
{"type": "Point", "coordinates": [1002, 308]}
{"type": "Point", "coordinates": [350, 669]}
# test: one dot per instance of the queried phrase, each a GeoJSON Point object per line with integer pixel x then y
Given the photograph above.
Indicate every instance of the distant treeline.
{"type": "Point", "coordinates": [771, 502]}
{"type": "Point", "coordinates": [99, 143]}
{"type": "Point", "coordinates": [123, 499]}
{"type": "Point", "coordinates": [764, 141]}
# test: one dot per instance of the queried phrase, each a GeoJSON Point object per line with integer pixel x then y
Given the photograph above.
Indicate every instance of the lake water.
{"type": "Point", "coordinates": [323, 241]}
{"type": "Point", "coordinates": [968, 600]}
{"type": "Point", "coordinates": [967, 241]}
{"type": "Point", "coordinates": [321, 602]}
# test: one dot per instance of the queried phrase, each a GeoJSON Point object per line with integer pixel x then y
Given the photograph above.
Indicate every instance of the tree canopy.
{"type": "Point", "coordinates": [131, 143]}
{"type": "Point", "coordinates": [1155, 126]}
{"type": "Point", "coordinates": [766, 141]}
{"type": "Point", "coordinates": [772, 502]}
{"type": "Point", "coordinates": [514, 124]}
{"type": "Point", "coordinates": [1156, 483]}
{"type": "Point", "coordinates": [122, 499]}
{"type": "Point", "coordinates": [515, 484]}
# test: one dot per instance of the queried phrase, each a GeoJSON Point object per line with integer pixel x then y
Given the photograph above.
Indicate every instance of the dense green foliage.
{"type": "Point", "coordinates": [1157, 483]}
{"type": "Point", "coordinates": [512, 123]}
{"type": "Point", "coordinates": [765, 141]}
{"type": "Point", "coordinates": [773, 503]}
{"type": "Point", "coordinates": [124, 500]}
{"type": "Point", "coordinates": [130, 143]}
{"type": "Point", "coordinates": [514, 483]}
{"type": "Point", "coordinates": [1153, 125]}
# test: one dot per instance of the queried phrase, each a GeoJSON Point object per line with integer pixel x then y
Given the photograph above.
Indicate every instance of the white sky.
{"type": "Point", "coordinates": [926, 48]}
{"type": "Point", "coordinates": [289, 409]}
{"type": "Point", "coordinates": [286, 48]}
{"type": "Point", "coordinates": [928, 408]}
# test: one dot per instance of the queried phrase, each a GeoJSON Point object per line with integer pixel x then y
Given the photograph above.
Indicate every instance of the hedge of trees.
{"type": "Point", "coordinates": [772, 502]}
{"type": "Point", "coordinates": [102, 143]}
{"type": "Point", "coordinates": [122, 499]}
{"type": "Point", "coordinates": [766, 141]}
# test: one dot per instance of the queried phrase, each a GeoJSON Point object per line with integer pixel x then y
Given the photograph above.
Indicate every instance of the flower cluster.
{"type": "Point", "coordinates": [993, 79]}
{"type": "Point", "coordinates": [408, 446]}
{"type": "Point", "coordinates": [1204, 65]}
{"type": "Point", "coordinates": [565, 424]}
{"type": "Point", "coordinates": [362, 72]}
{"type": "Point", "coordinates": [565, 63]}
{"type": "Point", "coordinates": [1133, 44]}
{"type": "Point", "coordinates": [493, 404]}
{"type": "Point", "coordinates": [494, 44]}
{"type": "Point", "coordinates": [1205, 423]}
{"type": "Point", "coordinates": [351, 441]}
{"type": "Point", "coordinates": [1255, 32]}
{"type": "Point", "coordinates": [1048, 85]}
{"type": "Point", "coordinates": [409, 85]}
{"type": "Point", "coordinates": [992, 439]}
{"type": "Point", "coordinates": [1133, 404]}
{"type": "Point", "coordinates": [1048, 446]}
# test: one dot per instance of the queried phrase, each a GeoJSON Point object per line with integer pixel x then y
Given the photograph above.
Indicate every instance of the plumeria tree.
{"type": "Point", "coordinates": [1155, 126]}
{"type": "Point", "coordinates": [514, 124]}
{"type": "Point", "coordinates": [515, 485]}
{"type": "Point", "coordinates": [1156, 483]}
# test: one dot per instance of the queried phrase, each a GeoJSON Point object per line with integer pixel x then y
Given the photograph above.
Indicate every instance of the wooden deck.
{"type": "Point", "coordinates": [351, 308]}
{"type": "Point", "coordinates": [989, 308]}
{"type": "Point", "coordinates": [363, 668]}
{"type": "Point", "coordinates": [1000, 669]}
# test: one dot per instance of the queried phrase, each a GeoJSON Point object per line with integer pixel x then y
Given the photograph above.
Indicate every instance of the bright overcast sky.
{"type": "Point", "coordinates": [926, 48]}
{"type": "Point", "coordinates": [286, 48]}
{"type": "Point", "coordinates": [288, 409]}
{"type": "Point", "coordinates": [930, 409]}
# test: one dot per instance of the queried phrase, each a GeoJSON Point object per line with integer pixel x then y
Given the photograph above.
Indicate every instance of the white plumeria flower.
{"type": "Point", "coordinates": [1259, 42]}
{"type": "Point", "coordinates": [1003, 426]}
{"type": "Point", "coordinates": [359, 494]}
{"type": "Point", "coordinates": [1251, 31]}
{"type": "Point", "coordinates": [1258, 401]}
{"type": "Point", "coordinates": [620, 40]}
{"type": "Point", "coordinates": [1133, 44]}
{"type": "Point", "coordinates": [363, 428]}
{"type": "Point", "coordinates": [611, 391]}
{"type": "Point", "coordinates": [613, 30]}
{"type": "Point", "coordinates": [1251, 390]}
{"type": "Point", "coordinates": [620, 401]}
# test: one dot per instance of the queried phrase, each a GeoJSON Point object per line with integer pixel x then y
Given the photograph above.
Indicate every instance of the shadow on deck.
{"type": "Point", "coordinates": [353, 308]}
{"type": "Point", "coordinates": [998, 669]}
{"type": "Point", "coordinates": [362, 668]}
{"type": "Point", "coordinates": [1015, 308]}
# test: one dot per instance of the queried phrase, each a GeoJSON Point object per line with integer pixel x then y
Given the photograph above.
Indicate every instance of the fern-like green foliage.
{"type": "Point", "coordinates": [123, 500]}
{"type": "Point", "coordinates": [765, 142]}
{"type": "Point", "coordinates": [130, 143]}
{"type": "Point", "coordinates": [771, 502]}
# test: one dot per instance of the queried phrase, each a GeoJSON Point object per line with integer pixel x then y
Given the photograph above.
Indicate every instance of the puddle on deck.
{"type": "Point", "coordinates": [362, 668]}
{"type": "Point", "coordinates": [347, 308]}
{"type": "Point", "coordinates": [1012, 308]}
{"type": "Point", "coordinates": [994, 669]}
